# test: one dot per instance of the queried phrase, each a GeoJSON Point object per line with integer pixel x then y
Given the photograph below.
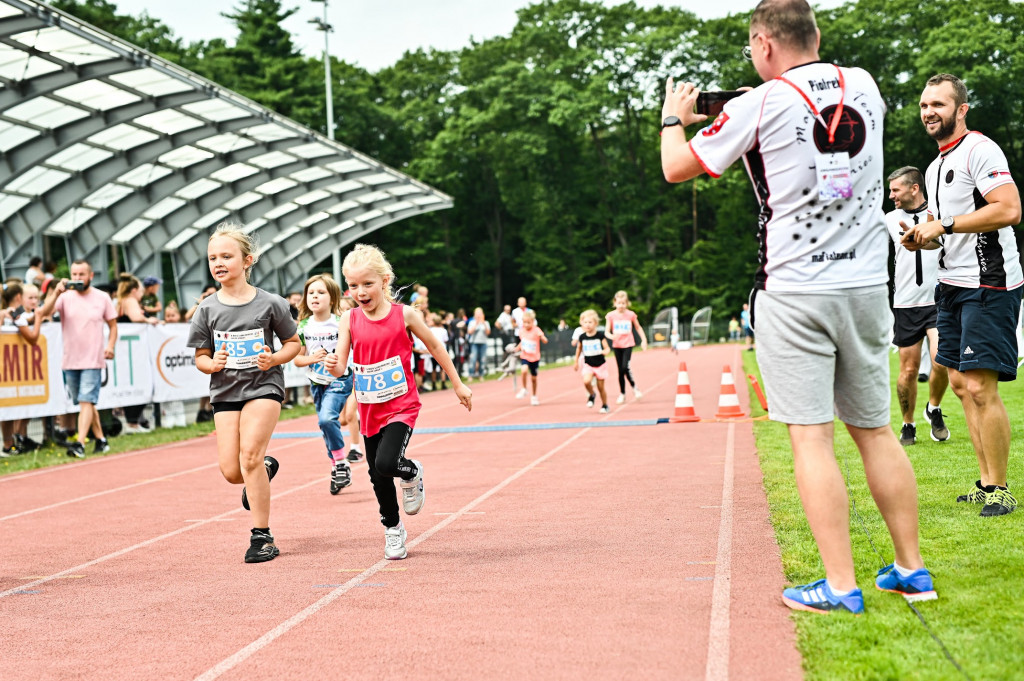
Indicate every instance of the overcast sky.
{"type": "Point", "coordinates": [375, 33]}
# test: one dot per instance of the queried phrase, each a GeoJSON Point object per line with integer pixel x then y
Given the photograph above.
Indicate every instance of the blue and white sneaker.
{"type": "Point", "coordinates": [817, 597]}
{"type": "Point", "coordinates": [917, 586]}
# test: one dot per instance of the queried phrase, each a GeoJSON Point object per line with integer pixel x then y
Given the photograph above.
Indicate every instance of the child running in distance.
{"type": "Point", "coordinates": [378, 332]}
{"type": "Point", "coordinates": [319, 310]}
{"type": "Point", "coordinates": [530, 338]}
{"type": "Point", "coordinates": [592, 347]}
{"type": "Point", "coordinates": [350, 414]}
{"type": "Point", "coordinates": [620, 323]}
{"type": "Point", "coordinates": [233, 333]}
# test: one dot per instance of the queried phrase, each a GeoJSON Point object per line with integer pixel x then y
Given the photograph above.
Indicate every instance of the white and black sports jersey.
{"type": "Point", "coordinates": [808, 244]}
{"type": "Point", "coordinates": [957, 182]}
{"type": "Point", "coordinates": [916, 272]}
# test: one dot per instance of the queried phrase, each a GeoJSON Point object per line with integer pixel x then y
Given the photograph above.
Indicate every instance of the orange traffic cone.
{"type": "Point", "coordinates": [728, 401]}
{"type": "Point", "coordinates": [684, 400]}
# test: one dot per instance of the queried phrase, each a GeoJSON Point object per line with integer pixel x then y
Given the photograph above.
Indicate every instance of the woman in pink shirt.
{"type": "Point", "coordinates": [620, 323]}
{"type": "Point", "coordinates": [378, 331]}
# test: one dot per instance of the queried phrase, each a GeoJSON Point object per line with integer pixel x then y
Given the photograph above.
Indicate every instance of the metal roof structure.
{"type": "Point", "coordinates": [104, 143]}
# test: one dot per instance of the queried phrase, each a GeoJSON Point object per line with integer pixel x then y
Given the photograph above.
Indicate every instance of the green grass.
{"type": "Point", "coordinates": [52, 455]}
{"type": "Point", "coordinates": [976, 562]}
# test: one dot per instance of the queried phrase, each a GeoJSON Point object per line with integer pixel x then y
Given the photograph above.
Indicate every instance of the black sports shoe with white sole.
{"type": "Point", "coordinates": [261, 548]}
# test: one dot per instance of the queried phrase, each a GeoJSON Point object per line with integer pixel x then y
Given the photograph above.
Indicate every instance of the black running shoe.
{"type": "Point", "coordinates": [261, 548]}
{"type": "Point", "coordinates": [341, 477]}
{"type": "Point", "coordinates": [940, 433]}
{"type": "Point", "coordinates": [908, 435]}
{"type": "Point", "coordinates": [26, 444]}
{"type": "Point", "coordinates": [590, 400]}
{"type": "Point", "coordinates": [354, 455]}
{"type": "Point", "coordinates": [8, 452]}
{"type": "Point", "coordinates": [101, 447]}
{"type": "Point", "coordinates": [272, 466]}
{"type": "Point", "coordinates": [76, 449]}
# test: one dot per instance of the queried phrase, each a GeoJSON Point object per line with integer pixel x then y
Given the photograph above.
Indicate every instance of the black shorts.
{"type": "Point", "coordinates": [978, 329]}
{"type": "Point", "coordinates": [531, 366]}
{"type": "Point", "coordinates": [218, 407]}
{"type": "Point", "coordinates": [911, 323]}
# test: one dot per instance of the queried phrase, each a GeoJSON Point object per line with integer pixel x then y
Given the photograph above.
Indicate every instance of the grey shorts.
{"type": "Point", "coordinates": [825, 355]}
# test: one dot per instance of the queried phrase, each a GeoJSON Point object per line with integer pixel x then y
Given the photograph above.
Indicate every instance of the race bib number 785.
{"type": "Point", "coordinates": [243, 347]}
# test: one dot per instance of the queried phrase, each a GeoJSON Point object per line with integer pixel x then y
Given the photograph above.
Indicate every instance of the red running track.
{"type": "Point", "coordinates": [585, 553]}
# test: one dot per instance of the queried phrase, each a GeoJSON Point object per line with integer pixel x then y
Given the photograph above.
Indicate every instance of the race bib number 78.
{"type": "Point", "coordinates": [380, 382]}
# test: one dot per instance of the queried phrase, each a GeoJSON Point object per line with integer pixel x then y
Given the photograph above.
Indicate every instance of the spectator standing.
{"type": "Point", "coordinates": [748, 330]}
{"type": "Point", "coordinates": [151, 305]}
{"type": "Point", "coordinates": [34, 274]}
{"type": "Point", "coordinates": [83, 312]}
{"type": "Point", "coordinates": [128, 305]}
{"type": "Point", "coordinates": [517, 315]}
{"type": "Point", "coordinates": [914, 315]}
{"type": "Point", "coordinates": [479, 329]}
{"type": "Point", "coordinates": [820, 311]}
{"type": "Point", "coordinates": [172, 315]}
{"type": "Point", "coordinates": [505, 325]}
{"type": "Point", "coordinates": [975, 203]}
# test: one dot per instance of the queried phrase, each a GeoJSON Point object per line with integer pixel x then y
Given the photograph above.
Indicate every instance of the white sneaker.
{"type": "Point", "coordinates": [636, 393]}
{"type": "Point", "coordinates": [521, 394]}
{"type": "Point", "coordinates": [534, 401]}
{"type": "Point", "coordinates": [132, 428]}
{"type": "Point", "coordinates": [620, 399]}
{"type": "Point", "coordinates": [413, 495]}
{"type": "Point", "coordinates": [394, 542]}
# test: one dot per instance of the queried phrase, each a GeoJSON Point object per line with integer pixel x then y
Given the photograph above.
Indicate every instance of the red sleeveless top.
{"type": "Point", "coordinates": [382, 362]}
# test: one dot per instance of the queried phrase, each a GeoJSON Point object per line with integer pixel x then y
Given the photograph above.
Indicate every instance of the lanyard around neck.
{"type": "Point", "coordinates": [832, 125]}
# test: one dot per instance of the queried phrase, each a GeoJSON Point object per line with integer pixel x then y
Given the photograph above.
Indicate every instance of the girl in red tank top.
{"type": "Point", "coordinates": [379, 332]}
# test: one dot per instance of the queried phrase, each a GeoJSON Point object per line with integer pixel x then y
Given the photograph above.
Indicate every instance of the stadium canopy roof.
{"type": "Point", "coordinates": [103, 143]}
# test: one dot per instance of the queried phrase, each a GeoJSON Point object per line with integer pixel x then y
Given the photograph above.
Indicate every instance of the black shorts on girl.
{"type": "Point", "coordinates": [218, 407]}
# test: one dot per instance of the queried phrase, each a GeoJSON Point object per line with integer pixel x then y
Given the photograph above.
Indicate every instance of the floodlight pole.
{"type": "Point", "coordinates": [322, 25]}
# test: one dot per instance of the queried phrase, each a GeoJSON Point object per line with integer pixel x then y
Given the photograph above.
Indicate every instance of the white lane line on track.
{"type": "Point", "coordinates": [136, 484]}
{"type": "Point", "coordinates": [168, 535]}
{"type": "Point", "coordinates": [298, 618]}
{"type": "Point", "coordinates": [717, 666]}
{"type": "Point", "coordinates": [88, 462]}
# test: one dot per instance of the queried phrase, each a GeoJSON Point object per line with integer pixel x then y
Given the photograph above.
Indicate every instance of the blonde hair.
{"type": "Point", "coordinates": [247, 243]}
{"type": "Point", "coordinates": [333, 290]}
{"type": "Point", "coordinates": [365, 256]}
{"type": "Point", "coordinates": [126, 283]}
{"type": "Point", "coordinates": [589, 314]}
{"type": "Point", "coordinates": [348, 302]}
{"type": "Point", "coordinates": [530, 314]}
{"type": "Point", "coordinates": [621, 294]}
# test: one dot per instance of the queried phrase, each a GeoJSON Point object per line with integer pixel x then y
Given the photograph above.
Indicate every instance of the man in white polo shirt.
{"type": "Point", "coordinates": [913, 307]}
{"type": "Point", "coordinates": [811, 139]}
{"type": "Point", "coordinates": [975, 203]}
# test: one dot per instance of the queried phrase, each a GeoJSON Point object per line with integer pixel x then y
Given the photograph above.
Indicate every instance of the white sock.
{"type": "Point", "coordinates": [835, 591]}
{"type": "Point", "coordinates": [902, 571]}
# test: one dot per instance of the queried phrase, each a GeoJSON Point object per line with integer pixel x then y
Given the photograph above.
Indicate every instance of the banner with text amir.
{"type": "Point", "coordinates": [151, 364]}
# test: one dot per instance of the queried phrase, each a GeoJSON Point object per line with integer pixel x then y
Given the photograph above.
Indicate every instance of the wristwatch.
{"type": "Point", "coordinates": [947, 224]}
{"type": "Point", "coordinates": [670, 121]}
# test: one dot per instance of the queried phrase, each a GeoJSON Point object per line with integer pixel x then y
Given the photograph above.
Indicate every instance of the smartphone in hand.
{"type": "Point", "coordinates": [712, 103]}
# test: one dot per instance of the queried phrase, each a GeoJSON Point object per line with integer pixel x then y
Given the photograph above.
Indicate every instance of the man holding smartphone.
{"type": "Point", "coordinates": [811, 139]}
{"type": "Point", "coordinates": [83, 312]}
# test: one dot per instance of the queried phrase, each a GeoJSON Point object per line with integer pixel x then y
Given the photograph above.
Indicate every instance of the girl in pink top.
{"type": "Point", "coordinates": [530, 338]}
{"type": "Point", "coordinates": [379, 332]}
{"type": "Point", "coordinates": [620, 323]}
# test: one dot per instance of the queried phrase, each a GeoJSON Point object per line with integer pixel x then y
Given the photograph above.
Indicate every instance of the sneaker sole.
{"type": "Point", "coordinates": [264, 558]}
{"type": "Point", "coordinates": [912, 598]}
{"type": "Point", "coordinates": [401, 557]}
{"type": "Point", "coordinates": [1002, 510]}
{"type": "Point", "coordinates": [932, 432]}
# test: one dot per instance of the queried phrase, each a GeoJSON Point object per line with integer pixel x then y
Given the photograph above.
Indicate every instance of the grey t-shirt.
{"type": "Point", "coordinates": [245, 329]}
{"type": "Point", "coordinates": [479, 334]}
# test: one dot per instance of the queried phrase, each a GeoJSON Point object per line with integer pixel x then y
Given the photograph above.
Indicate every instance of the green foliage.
{"type": "Point", "coordinates": [547, 138]}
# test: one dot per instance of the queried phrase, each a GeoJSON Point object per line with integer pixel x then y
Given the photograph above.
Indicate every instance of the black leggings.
{"type": "Point", "coordinates": [622, 356]}
{"type": "Point", "coordinates": [385, 456]}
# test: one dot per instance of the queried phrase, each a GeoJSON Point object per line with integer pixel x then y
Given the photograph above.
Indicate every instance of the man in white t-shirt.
{"type": "Point", "coordinates": [811, 140]}
{"type": "Point", "coordinates": [517, 314]}
{"type": "Point", "coordinates": [975, 203]}
{"type": "Point", "coordinates": [913, 309]}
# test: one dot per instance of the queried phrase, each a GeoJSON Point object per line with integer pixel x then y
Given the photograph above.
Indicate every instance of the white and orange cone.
{"type": "Point", "coordinates": [728, 400]}
{"type": "Point", "coordinates": [684, 411]}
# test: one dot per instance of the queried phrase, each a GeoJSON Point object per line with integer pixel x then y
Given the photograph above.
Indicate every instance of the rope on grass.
{"type": "Point", "coordinates": [913, 608]}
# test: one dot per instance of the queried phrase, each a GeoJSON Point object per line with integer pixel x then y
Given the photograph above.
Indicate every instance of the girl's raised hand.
{"type": "Point", "coordinates": [265, 359]}
{"type": "Point", "coordinates": [319, 355]}
{"type": "Point", "coordinates": [220, 358]}
{"type": "Point", "coordinates": [330, 360]}
{"type": "Point", "coordinates": [465, 396]}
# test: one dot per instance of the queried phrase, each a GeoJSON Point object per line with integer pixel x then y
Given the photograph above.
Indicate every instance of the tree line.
{"type": "Point", "coordinates": [547, 138]}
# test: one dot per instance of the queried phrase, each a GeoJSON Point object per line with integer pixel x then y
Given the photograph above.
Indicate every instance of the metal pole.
{"type": "Point", "coordinates": [327, 77]}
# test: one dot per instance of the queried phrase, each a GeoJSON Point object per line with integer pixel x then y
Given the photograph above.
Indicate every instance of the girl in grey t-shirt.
{"type": "Point", "coordinates": [233, 334]}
